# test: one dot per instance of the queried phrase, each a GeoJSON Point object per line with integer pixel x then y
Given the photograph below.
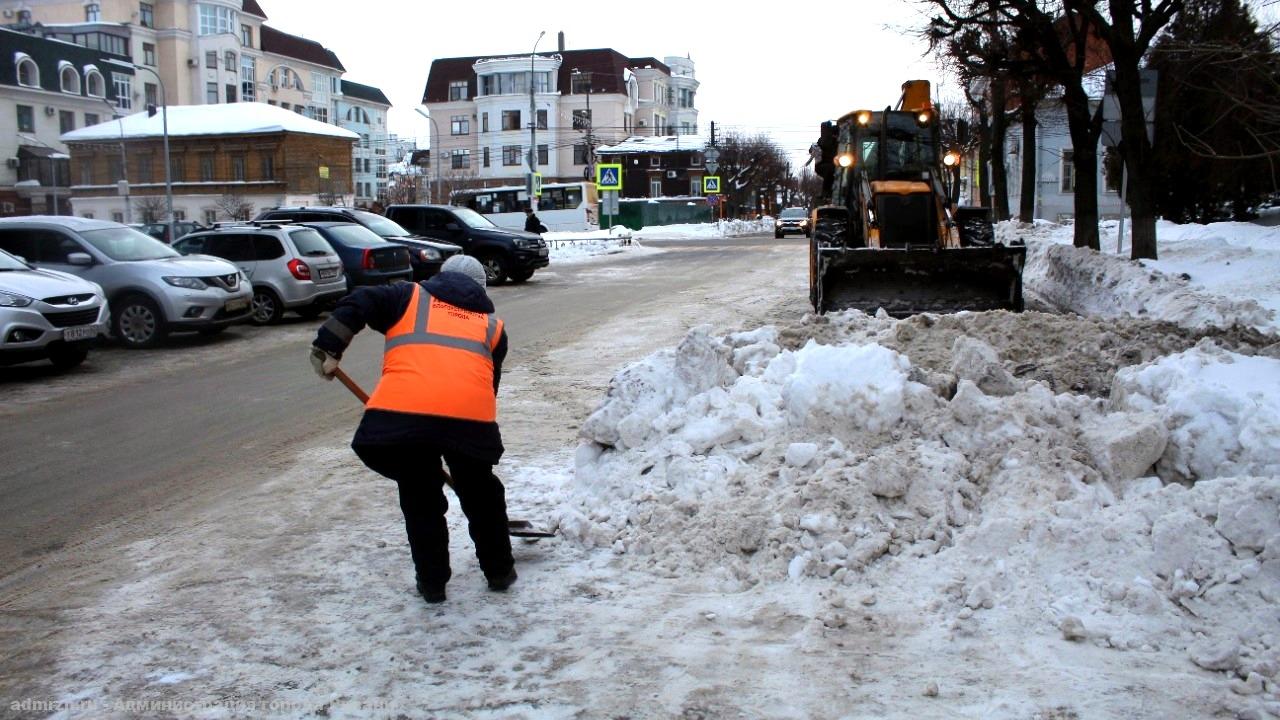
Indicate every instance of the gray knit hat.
{"type": "Point", "coordinates": [466, 265]}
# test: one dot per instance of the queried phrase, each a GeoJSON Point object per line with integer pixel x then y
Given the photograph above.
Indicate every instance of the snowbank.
{"type": "Point", "coordinates": [569, 248]}
{"type": "Point", "coordinates": [986, 501]}
{"type": "Point", "coordinates": [705, 231]}
{"type": "Point", "coordinates": [1212, 276]}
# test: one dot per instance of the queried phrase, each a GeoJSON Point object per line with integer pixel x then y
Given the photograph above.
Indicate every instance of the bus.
{"type": "Point", "coordinates": [563, 207]}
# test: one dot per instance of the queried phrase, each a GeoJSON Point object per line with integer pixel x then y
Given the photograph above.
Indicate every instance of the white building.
{"type": "Point", "coordinates": [1055, 171]}
{"type": "Point", "coordinates": [362, 109]}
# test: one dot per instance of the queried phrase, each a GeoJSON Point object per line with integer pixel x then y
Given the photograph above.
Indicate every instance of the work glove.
{"type": "Point", "coordinates": [324, 363]}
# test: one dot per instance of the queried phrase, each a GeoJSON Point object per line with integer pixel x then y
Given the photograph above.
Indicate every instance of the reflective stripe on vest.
{"type": "Point", "coordinates": [438, 360]}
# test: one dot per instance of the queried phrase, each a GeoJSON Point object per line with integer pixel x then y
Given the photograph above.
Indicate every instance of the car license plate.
{"type": "Point", "coordinates": [237, 304]}
{"type": "Point", "coordinates": [542, 252]}
{"type": "Point", "coordinates": [84, 332]}
{"type": "Point", "coordinates": [331, 272]}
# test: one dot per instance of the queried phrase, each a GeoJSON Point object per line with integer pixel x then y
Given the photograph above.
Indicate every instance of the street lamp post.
{"type": "Point", "coordinates": [590, 148]}
{"type": "Point", "coordinates": [164, 119]}
{"type": "Point", "coordinates": [533, 126]}
{"type": "Point", "coordinates": [435, 151]}
{"type": "Point", "coordinates": [124, 164]}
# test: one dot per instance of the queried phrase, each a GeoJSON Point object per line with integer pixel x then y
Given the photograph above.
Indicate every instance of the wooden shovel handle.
{"type": "Point", "coordinates": [351, 385]}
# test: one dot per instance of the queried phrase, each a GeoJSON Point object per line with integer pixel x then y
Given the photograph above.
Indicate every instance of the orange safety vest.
{"type": "Point", "coordinates": [439, 361]}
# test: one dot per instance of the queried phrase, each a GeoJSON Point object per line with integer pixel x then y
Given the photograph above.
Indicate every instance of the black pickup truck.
{"type": "Point", "coordinates": [506, 254]}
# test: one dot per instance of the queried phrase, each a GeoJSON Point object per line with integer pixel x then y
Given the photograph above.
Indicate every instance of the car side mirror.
{"type": "Point", "coordinates": [79, 258]}
{"type": "Point", "coordinates": [453, 227]}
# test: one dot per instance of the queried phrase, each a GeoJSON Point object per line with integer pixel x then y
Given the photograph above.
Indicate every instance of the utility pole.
{"type": "Point", "coordinates": [124, 164]}
{"type": "Point", "coordinates": [533, 127]}
{"type": "Point", "coordinates": [591, 151]}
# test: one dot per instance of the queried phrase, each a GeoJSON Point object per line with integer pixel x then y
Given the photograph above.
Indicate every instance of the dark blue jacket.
{"type": "Point", "coordinates": [380, 307]}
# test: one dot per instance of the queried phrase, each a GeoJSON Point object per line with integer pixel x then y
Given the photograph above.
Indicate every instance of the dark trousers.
{"type": "Point", "coordinates": [418, 472]}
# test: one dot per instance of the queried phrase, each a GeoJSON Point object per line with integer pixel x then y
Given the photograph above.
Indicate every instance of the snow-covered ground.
{"type": "Point", "coordinates": [576, 247]}
{"type": "Point", "coordinates": [779, 515]}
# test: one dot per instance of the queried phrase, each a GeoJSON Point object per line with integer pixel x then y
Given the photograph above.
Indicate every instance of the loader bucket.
{"type": "Point", "coordinates": [910, 281]}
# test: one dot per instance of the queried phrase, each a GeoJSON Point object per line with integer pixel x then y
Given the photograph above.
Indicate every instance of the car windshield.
{"type": "Point", "coordinates": [309, 242]}
{"type": "Point", "coordinates": [472, 218]}
{"type": "Point", "coordinates": [356, 236]}
{"type": "Point", "coordinates": [126, 244]}
{"type": "Point", "coordinates": [9, 262]}
{"type": "Point", "coordinates": [794, 213]}
{"type": "Point", "coordinates": [381, 225]}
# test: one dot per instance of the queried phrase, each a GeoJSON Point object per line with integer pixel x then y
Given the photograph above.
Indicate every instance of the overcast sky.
{"type": "Point", "coordinates": [781, 71]}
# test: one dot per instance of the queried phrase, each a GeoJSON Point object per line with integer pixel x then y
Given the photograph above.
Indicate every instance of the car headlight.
{"type": "Point", "coordinates": [429, 255]}
{"type": "Point", "coordinates": [778, 223]}
{"type": "Point", "coordinates": [8, 299]}
{"type": "Point", "coordinates": [190, 283]}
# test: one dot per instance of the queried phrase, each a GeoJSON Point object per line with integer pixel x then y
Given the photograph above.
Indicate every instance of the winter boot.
{"type": "Point", "coordinates": [430, 594]}
{"type": "Point", "coordinates": [502, 582]}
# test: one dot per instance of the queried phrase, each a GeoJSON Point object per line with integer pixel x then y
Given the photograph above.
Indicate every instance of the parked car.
{"type": "Point", "coordinates": [45, 314]}
{"type": "Point", "coordinates": [160, 231]}
{"type": "Point", "coordinates": [152, 289]}
{"type": "Point", "coordinates": [425, 254]}
{"type": "Point", "coordinates": [791, 220]}
{"type": "Point", "coordinates": [367, 258]}
{"type": "Point", "coordinates": [506, 254]}
{"type": "Point", "coordinates": [290, 267]}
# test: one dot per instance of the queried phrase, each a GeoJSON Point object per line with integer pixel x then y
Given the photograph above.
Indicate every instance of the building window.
{"type": "Point", "coordinates": [211, 59]}
{"type": "Point", "coordinates": [115, 170]}
{"type": "Point", "coordinates": [485, 161]}
{"type": "Point", "coordinates": [148, 54]}
{"type": "Point", "coordinates": [460, 159]}
{"type": "Point", "coordinates": [149, 93]}
{"type": "Point", "coordinates": [24, 17]}
{"type": "Point", "coordinates": [94, 84]}
{"type": "Point", "coordinates": [319, 86]}
{"type": "Point", "coordinates": [655, 188]}
{"type": "Point", "coordinates": [216, 19]}
{"type": "Point", "coordinates": [92, 12]}
{"type": "Point", "coordinates": [459, 125]}
{"type": "Point", "coordinates": [211, 93]}
{"type": "Point", "coordinates": [246, 36]}
{"type": "Point", "coordinates": [69, 80]}
{"type": "Point", "coordinates": [210, 217]}
{"type": "Point", "coordinates": [124, 90]}
{"type": "Point", "coordinates": [237, 167]}
{"type": "Point", "coordinates": [90, 119]}
{"type": "Point", "coordinates": [542, 82]}
{"type": "Point", "coordinates": [28, 73]}
{"type": "Point", "coordinates": [231, 92]}
{"type": "Point", "coordinates": [177, 169]}
{"type": "Point", "coordinates": [542, 119]}
{"type": "Point", "coordinates": [580, 154]}
{"type": "Point", "coordinates": [86, 172]}
{"type": "Point", "coordinates": [248, 78]}
{"type": "Point", "coordinates": [579, 83]}
{"type": "Point", "coordinates": [510, 155]}
{"type": "Point", "coordinates": [695, 186]}
{"type": "Point", "coordinates": [66, 121]}
{"type": "Point", "coordinates": [458, 90]}
{"type": "Point", "coordinates": [144, 169]}
{"type": "Point", "coordinates": [268, 162]}
{"type": "Point", "coordinates": [26, 119]}
{"type": "Point", "coordinates": [581, 119]}
{"type": "Point", "coordinates": [510, 119]}
{"type": "Point", "coordinates": [117, 216]}
{"type": "Point", "coordinates": [626, 122]}
{"type": "Point", "coordinates": [1068, 172]}
{"type": "Point", "coordinates": [655, 161]}
{"type": "Point", "coordinates": [229, 61]}
{"type": "Point", "coordinates": [147, 14]}
{"type": "Point", "coordinates": [543, 155]}
{"type": "Point", "coordinates": [318, 113]}
{"type": "Point", "coordinates": [484, 122]}
{"type": "Point", "coordinates": [206, 167]}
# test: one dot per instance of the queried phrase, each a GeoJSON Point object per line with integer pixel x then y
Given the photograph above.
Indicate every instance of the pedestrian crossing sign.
{"type": "Point", "coordinates": [711, 185]}
{"type": "Point", "coordinates": [609, 177]}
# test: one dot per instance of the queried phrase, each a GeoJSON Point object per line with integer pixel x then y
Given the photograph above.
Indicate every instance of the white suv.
{"type": "Point", "coordinates": [151, 288]}
{"type": "Point", "coordinates": [47, 315]}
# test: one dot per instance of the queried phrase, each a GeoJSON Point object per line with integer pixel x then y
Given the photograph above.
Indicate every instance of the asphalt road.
{"type": "Point", "coordinates": [110, 451]}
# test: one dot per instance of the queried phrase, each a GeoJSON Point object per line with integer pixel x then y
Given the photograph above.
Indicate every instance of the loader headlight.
{"type": "Point", "coordinates": [845, 160]}
{"type": "Point", "coordinates": [951, 159]}
{"type": "Point", "coordinates": [923, 117]}
{"type": "Point", "coordinates": [863, 117]}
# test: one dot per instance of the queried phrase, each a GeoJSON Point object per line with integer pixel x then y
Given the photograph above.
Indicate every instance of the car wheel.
{"type": "Point", "coordinates": [310, 312]}
{"type": "Point", "coordinates": [137, 322]}
{"type": "Point", "coordinates": [495, 268]}
{"type": "Point", "coordinates": [519, 277]}
{"type": "Point", "coordinates": [267, 307]}
{"type": "Point", "coordinates": [65, 357]}
{"type": "Point", "coordinates": [777, 235]}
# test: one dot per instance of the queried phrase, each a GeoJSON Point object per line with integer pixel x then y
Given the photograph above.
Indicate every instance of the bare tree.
{"type": "Point", "coordinates": [234, 206]}
{"type": "Point", "coordinates": [150, 208]}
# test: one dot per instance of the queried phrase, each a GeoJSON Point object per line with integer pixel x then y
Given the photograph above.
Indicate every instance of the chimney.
{"type": "Point", "coordinates": [561, 35]}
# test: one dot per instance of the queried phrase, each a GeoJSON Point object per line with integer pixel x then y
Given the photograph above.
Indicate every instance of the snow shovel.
{"type": "Point", "coordinates": [515, 528]}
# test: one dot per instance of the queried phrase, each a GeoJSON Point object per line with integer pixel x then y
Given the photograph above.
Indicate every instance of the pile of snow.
{"type": "Point", "coordinates": [736, 459]}
{"type": "Point", "coordinates": [569, 248]}
{"type": "Point", "coordinates": [705, 231]}
{"type": "Point", "coordinates": [1213, 276]}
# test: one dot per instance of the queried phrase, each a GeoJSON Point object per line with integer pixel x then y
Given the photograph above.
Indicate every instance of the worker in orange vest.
{"type": "Point", "coordinates": [437, 400]}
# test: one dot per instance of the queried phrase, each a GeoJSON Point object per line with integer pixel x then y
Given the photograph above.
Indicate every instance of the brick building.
{"type": "Point", "coordinates": [226, 161]}
{"type": "Point", "coordinates": [654, 167]}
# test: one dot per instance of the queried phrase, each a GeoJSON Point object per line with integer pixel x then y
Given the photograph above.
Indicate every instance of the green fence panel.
{"type": "Point", "coordinates": [639, 213]}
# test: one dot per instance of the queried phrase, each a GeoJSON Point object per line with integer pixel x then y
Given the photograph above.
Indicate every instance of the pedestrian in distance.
{"type": "Point", "coordinates": [532, 223]}
{"type": "Point", "coordinates": [436, 401]}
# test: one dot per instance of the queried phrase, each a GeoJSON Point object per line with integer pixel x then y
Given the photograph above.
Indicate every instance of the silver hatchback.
{"type": "Point", "coordinates": [290, 267]}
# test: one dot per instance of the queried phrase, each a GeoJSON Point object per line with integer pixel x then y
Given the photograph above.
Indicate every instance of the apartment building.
{"type": "Point", "coordinates": [582, 99]}
{"type": "Point", "coordinates": [226, 162]}
{"type": "Point", "coordinates": [362, 109]}
{"type": "Point", "coordinates": [47, 88]}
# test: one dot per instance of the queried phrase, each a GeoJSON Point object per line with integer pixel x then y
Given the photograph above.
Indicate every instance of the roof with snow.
{"type": "Point", "coordinates": [605, 67]}
{"type": "Point", "coordinates": [368, 93]}
{"type": "Point", "coordinates": [655, 144]}
{"type": "Point", "coordinates": [194, 120]}
{"type": "Point", "coordinates": [298, 48]}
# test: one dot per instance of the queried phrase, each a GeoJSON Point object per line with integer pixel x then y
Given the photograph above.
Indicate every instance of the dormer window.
{"type": "Point", "coordinates": [458, 90]}
{"type": "Point", "coordinates": [68, 78]}
{"type": "Point", "coordinates": [28, 72]}
{"type": "Point", "coordinates": [95, 86]}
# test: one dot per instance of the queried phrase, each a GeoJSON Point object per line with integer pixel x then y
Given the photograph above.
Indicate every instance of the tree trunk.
{"type": "Point", "coordinates": [999, 128]}
{"type": "Point", "coordinates": [1027, 198]}
{"type": "Point", "coordinates": [1137, 157]}
{"type": "Point", "coordinates": [984, 161]}
{"type": "Point", "coordinates": [1084, 146]}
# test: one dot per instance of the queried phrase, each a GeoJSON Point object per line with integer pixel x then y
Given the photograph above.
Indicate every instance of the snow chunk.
{"type": "Point", "coordinates": [861, 386]}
